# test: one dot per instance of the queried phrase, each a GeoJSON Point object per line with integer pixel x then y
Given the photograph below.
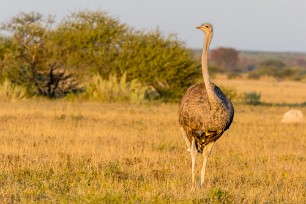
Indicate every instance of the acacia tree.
{"type": "Point", "coordinates": [29, 59]}
{"type": "Point", "coordinates": [27, 37]}
{"type": "Point", "coordinates": [5, 46]}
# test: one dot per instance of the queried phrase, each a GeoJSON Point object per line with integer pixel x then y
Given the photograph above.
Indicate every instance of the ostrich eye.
{"type": "Point", "coordinates": [206, 26]}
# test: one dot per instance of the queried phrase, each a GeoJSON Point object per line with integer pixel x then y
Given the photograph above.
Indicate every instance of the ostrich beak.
{"type": "Point", "coordinates": [198, 27]}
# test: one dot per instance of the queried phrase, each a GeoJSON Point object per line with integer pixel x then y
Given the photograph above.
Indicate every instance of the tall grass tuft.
{"type": "Point", "coordinates": [10, 91]}
{"type": "Point", "coordinates": [115, 89]}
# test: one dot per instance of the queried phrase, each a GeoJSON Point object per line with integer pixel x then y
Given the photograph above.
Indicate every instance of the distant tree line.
{"type": "Point", "coordinates": [228, 61]}
{"type": "Point", "coordinates": [278, 70]}
{"type": "Point", "coordinates": [55, 60]}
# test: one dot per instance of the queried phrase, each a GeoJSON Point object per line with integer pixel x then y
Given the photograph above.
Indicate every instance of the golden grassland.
{"type": "Point", "coordinates": [271, 90]}
{"type": "Point", "coordinates": [82, 152]}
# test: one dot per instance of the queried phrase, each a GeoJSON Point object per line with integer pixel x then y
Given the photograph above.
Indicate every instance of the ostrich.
{"type": "Point", "coordinates": [204, 113]}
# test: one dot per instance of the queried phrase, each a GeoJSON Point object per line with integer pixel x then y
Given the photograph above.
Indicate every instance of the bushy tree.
{"type": "Point", "coordinates": [24, 57]}
{"type": "Point", "coordinates": [5, 46]}
{"type": "Point", "coordinates": [163, 63]}
{"type": "Point", "coordinates": [94, 41]}
{"type": "Point", "coordinates": [90, 41]}
{"type": "Point", "coordinates": [27, 56]}
{"type": "Point", "coordinates": [46, 59]}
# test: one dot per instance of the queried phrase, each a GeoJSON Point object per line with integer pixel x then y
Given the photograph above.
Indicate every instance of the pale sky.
{"type": "Point", "coordinates": [260, 25]}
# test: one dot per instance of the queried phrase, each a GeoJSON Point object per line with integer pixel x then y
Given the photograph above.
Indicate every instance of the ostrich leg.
{"type": "Point", "coordinates": [206, 153]}
{"type": "Point", "coordinates": [186, 139]}
{"type": "Point", "coordinates": [194, 154]}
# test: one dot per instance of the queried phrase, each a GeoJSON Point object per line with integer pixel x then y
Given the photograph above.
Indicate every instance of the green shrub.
{"type": "Point", "coordinates": [11, 91]}
{"type": "Point", "coordinates": [220, 196]}
{"type": "Point", "coordinates": [216, 195]}
{"type": "Point", "coordinates": [251, 98]}
{"type": "Point", "coordinates": [163, 63]}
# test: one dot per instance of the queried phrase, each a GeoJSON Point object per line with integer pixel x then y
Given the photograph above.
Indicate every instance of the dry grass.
{"type": "Point", "coordinates": [272, 91]}
{"type": "Point", "coordinates": [116, 153]}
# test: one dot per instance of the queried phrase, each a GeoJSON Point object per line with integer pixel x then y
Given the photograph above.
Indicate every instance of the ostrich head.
{"type": "Point", "coordinates": [206, 28]}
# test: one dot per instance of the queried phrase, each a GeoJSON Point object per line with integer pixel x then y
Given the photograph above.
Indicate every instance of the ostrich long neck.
{"type": "Point", "coordinates": [210, 92]}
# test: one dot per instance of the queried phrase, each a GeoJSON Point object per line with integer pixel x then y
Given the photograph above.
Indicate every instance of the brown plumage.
{"type": "Point", "coordinates": [202, 120]}
{"type": "Point", "coordinates": [204, 112]}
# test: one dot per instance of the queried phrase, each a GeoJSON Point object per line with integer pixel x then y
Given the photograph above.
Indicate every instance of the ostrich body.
{"type": "Point", "coordinates": [204, 113]}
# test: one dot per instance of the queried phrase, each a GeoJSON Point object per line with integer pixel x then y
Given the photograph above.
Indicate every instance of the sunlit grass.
{"type": "Point", "coordinates": [113, 153]}
{"type": "Point", "coordinates": [271, 91]}
{"type": "Point", "coordinates": [10, 91]}
{"type": "Point", "coordinates": [115, 89]}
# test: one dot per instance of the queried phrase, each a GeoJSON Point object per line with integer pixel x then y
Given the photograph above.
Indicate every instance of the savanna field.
{"type": "Point", "coordinates": [90, 152]}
